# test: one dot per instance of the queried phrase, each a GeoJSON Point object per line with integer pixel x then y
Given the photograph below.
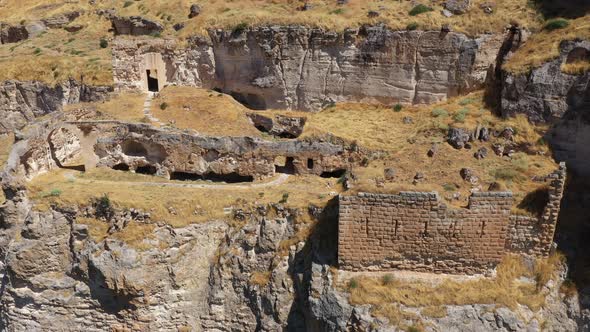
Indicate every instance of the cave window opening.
{"type": "Point", "coordinates": [310, 163]}
{"type": "Point", "coordinates": [152, 80]}
{"type": "Point", "coordinates": [121, 167]}
{"type": "Point", "coordinates": [333, 174]}
{"type": "Point", "coordinates": [214, 177]}
{"type": "Point", "coordinates": [286, 167]}
{"type": "Point", "coordinates": [147, 169]}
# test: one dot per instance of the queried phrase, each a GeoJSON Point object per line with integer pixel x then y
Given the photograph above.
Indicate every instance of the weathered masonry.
{"type": "Point", "coordinates": [416, 231]}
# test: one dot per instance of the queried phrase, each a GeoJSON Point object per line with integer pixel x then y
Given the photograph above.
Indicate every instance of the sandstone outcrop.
{"type": "Point", "coordinates": [22, 102]}
{"type": "Point", "coordinates": [294, 67]}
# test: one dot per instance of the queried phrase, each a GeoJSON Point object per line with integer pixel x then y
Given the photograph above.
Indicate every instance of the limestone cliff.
{"type": "Point", "coordinates": [295, 67]}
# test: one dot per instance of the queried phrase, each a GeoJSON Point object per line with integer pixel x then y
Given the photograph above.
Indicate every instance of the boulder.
{"type": "Point", "coordinates": [458, 137]}
{"type": "Point", "coordinates": [135, 26]}
{"type": "Point", "coordinates": [457, 6]}
{"type": "Point", "coordinates": [279, 125]}
{"type": "Point", "coordinates": [468, 175]}
{"type": "Point", "coordinates": [194, 11]}
{"type": "Point", "coordinates": [481, 153]}
{"type": "Point", "coordinates": [389, 173]}
{"type": "Point", "coordinates": [61, 20]}
{"type": "Point", "coordinates": [12, 33]}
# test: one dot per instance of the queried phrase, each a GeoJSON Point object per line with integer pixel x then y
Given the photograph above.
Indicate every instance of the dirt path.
{"type": "Point", "coordinates": [147, 108]}
{"type": "Point", "coordinates": [282, 178]}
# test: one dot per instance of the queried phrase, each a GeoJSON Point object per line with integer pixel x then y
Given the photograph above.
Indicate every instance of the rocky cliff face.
{"type": "Point", "coordinates": [547, 93]}
{"type": "Point", "coordinates": [56, 276]}
{"type": "Point", "coordinates": [306, 69]}
{"type": "Point", "coordinates": [22, 102]}
{"type": "Point", "coordinates": [301, 68]}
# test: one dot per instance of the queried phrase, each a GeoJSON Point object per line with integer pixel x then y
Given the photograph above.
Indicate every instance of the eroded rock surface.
{"type": "Point", "coordinates": [22, 102]}
{"type": "Point", "coordinates": [295, 67]}
{"type": "Point", "coordinates": [547, 93]}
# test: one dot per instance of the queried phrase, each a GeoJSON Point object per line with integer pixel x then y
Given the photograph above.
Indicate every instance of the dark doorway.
{"type": "Point", "coordinates": [287, 168]}
{"type": "Point", "coordinates": [310, 163]}
{"type": "Point", "coordinates": [152, 82]}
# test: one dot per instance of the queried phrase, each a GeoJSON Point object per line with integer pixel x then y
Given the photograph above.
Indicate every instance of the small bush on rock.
{"type": "Point", "coordinates": [419, 9]}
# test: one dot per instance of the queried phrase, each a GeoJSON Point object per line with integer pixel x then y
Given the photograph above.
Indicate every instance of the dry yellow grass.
{"type": "Point", "coordinates": [52, 57]}
{"type": "Point", "coordinates": [260, 278]}
{"type": "Point", "coordinates": [127, 106]}
{"type": "Point", "coordinates": [57, 55]}
{"type": "Point", "coordinates": [544, 46]}
{"type": "Point", "coordinates": [324, 13]}
{"type": "Point", "coordinates": [208, 112]}
{"type": "Point", "coordinates": [505, 289]}
{"type": "Point", "coordinates": [405, 146]}
{"type": "Point", "coordinates": [177, 206]}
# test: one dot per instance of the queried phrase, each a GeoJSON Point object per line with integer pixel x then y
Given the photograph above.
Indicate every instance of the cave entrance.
{"type": "Point", "coordinates": [333, 174]}
{"type": "Point", "coordinates": [214, 177]}
{"type": "Point", "coordinates": [147, 169]}
{"type": "Point", "coordinates": [121, 167]}
{"type": "Point", "coordinates": [152, 80]}
{"type": "Point", "coordinates": [284, 165]}
{"type": "Point", "coordinates": [250, 100]}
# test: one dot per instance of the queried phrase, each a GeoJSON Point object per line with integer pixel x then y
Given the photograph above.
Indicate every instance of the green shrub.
{"type": "Point", "coordinates": [338, 11]}
{"type": "Point", "coordinates": [37, 51]}
{"type": "Point", "coordinates": [52, 193]}
{"type": "Point", "coordinates": [127, 4]}
{"type": "Point", "coordinates": [104, 207]}
{"type": "Point", "coordinates": [466, 101]}
{"type": "Point", "coordinates": [449, 187]}
{"type": "Point", "coordinates": [555, 24]}
{"type": "Point", "coordinates": [103, 43]}
{"type": "Point", "coordinates": [397, 107]}
{"type": "Point", "coordinates": [163, 106]}
{"type": "Point", "coordinates": [460, 115]}
{"type": "Point", "coordinates": [412, 26]}
{"type": "Point", "coordinates": [419, 9]}
{"type": "Point", "coordinates": [387, 279]}
{"type": "Point", "coordinates": [352, 284]}
{"type": "Point", "coordinates": [241, 27]}
{"type": "Point", "coordinates": [285, 198]}
{"type": "Point", "coordinates": [439, 113]}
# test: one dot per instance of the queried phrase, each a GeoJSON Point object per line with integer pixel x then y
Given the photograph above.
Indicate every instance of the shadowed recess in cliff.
{"type": "Point", "coordinates": [214, 177]}
{"type": "Point", "coordinates": [110, 301]}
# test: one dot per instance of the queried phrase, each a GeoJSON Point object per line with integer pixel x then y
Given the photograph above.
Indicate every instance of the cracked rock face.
{"type": "Point", "coordinates": [547, 93]}
{"type": "Point", "coordinates": [57, 277]}
{"type": "Point", "coordinates": [22, 102]}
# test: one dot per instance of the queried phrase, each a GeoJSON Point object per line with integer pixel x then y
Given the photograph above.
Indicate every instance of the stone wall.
{"type": "Point", "coordinates": [416, 231]}
{"type": "Point", "coordinates": [534, 236]}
